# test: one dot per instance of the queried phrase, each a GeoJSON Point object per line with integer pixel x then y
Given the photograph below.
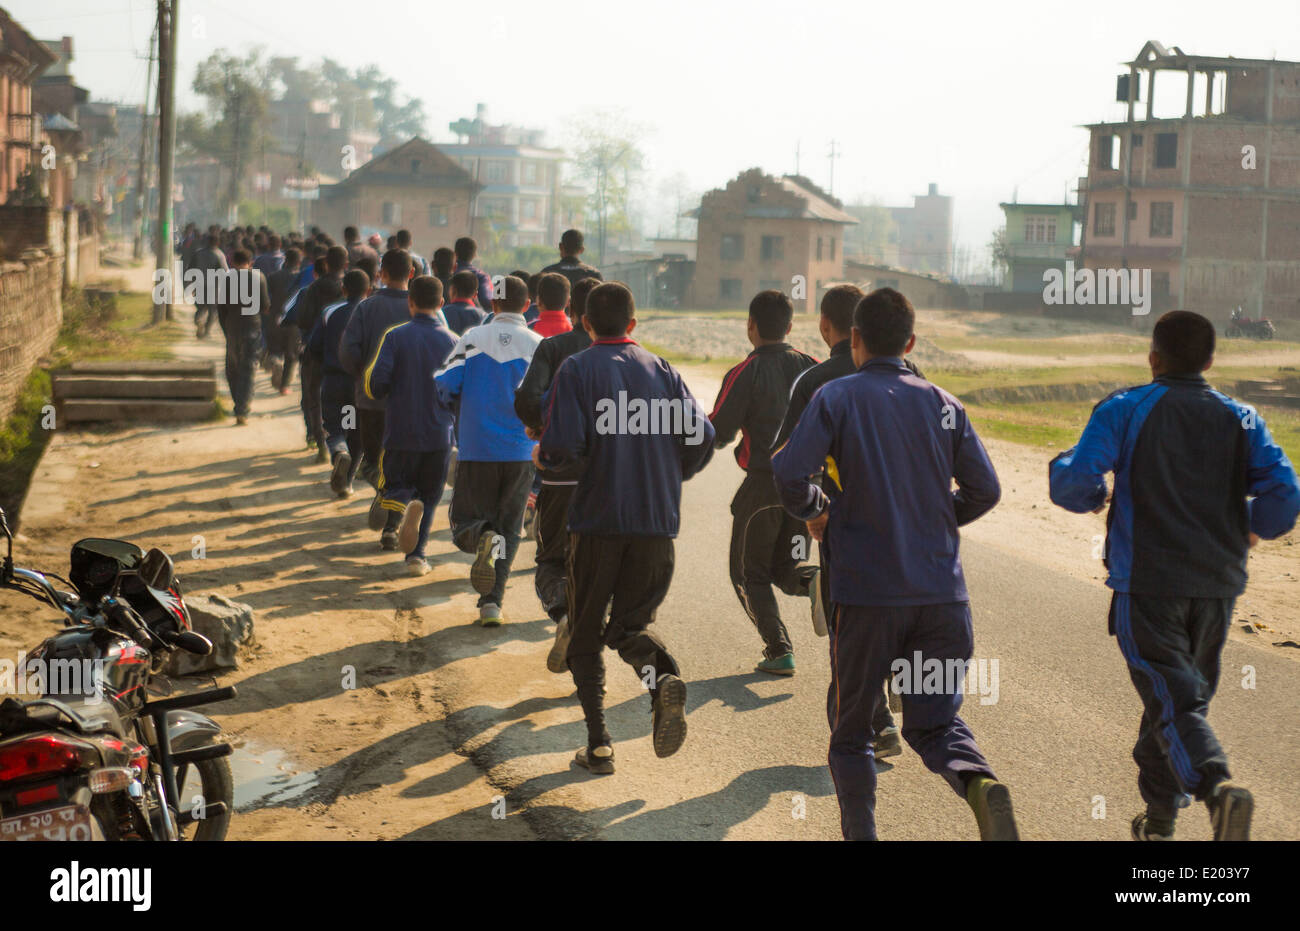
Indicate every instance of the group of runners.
{"type": "Point", "coordinates": [530, 396]}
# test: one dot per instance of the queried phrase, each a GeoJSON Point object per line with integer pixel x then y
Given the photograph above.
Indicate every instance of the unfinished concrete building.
{"type": "Point", "coordinates": [1209, 200]}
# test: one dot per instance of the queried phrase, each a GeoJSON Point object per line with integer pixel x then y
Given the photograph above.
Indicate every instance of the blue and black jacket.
{"type": "Point", "coordinates": [402, 372]}
{"type": "Point", "coordinates": [622, 419]}
{"type": "Point", "coordinates": [892, 444]}
{"type": "Point", "coordinates": [1186, 460]}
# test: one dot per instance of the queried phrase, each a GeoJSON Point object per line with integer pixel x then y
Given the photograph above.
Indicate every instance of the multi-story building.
{"type": "Point", "coordinates": [1209, 200]}
{"type": "Point", "coordinates": [522, 199]}
{"type": "Point", "coordinates": [925, 233]}
{"type": "Point", "coordinates": [22, 59]}
{"type": "Point", "coordinates": [1038, 237]}
{"type": "Point", "coordinates": [758, 233]}
{"type": "Point", "coordinates": [414, 187]}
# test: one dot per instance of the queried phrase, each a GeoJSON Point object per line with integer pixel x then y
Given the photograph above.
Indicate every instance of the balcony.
{"type": "Point", "coordinates": [1037, 250]}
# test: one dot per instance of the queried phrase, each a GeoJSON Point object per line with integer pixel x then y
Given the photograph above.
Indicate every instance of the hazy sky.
{"type": "Point", "coordinates": [983, 99]}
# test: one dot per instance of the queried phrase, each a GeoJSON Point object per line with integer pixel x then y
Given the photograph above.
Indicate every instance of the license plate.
{"type": "Point", "coordinates": [69, 823]}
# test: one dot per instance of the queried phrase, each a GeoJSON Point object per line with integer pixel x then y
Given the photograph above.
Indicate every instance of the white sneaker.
{"type": "Point", "coordinates": [489, 615]}
{"type": "Point", "coordinates": [408, 531]}
{"type": "Point", "coordinates": [417, 566]}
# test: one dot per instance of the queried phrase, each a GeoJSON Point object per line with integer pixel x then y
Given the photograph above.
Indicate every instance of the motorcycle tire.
{"type": "Point", "coordinates": [1232, 332]}
{"type": "Point", "coordinates": [1266, 334]}
{"type": "Point", "coordinates": [216, 784]}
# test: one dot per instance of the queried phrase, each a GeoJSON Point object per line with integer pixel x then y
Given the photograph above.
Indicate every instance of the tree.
{"type": "Point", "coordinates": [874, 232]}
{"type": "Point", "coordinates": [238, 92]}
{"type": "Point", "coordinates": [999, 252]}
{"type": "Point", "coordinates": [676, 197]}
{"type": "Point", "coordinates": [607, 156]}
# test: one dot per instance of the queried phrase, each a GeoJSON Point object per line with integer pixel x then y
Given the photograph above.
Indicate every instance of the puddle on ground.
{"type": "Point", "coordinates": [265, 776]}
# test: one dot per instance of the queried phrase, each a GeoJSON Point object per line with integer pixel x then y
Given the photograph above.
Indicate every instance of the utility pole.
{"type": "Point", "coordinates": [167, 30]}
{"type": "Point", "coordinates": [833, 155]}
{"type": "Point", "coordinates": [796, 157]}
{"type": "Point", "coordinates": [142, 175]}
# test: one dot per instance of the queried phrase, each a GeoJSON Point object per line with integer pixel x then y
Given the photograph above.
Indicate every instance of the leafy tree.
{"type": "Point", "coordinates": [238, 94]}
{"type": "Point", "coordinates": [608, 157]}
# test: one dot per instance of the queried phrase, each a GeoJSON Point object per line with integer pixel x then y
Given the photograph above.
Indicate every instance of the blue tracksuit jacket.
{"type": "Point", "coordinates": [402, 371]}
{"type": "Point", "coordinates": [609, 414]}
{"type": "Point", "coordinates": [484, 370]}
{"type": "Point", "coordinates": [1186, 458]}
{"type": "Point", "coordinates": [891, 443]}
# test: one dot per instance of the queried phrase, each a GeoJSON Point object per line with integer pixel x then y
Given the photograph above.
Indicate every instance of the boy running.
{"type": "Point", "coordinates": [896, 444]}
{"type": "Point", "coordinates": [337, 387]}
{"type": "Point", "coordinates": [551, 581]}
{"type": "Point", "coordinates": [752, 401]}
{"type": "Point", "coordinates": [417, 426]}
{"type": "Point", "coordinates": [625, 511]}
{"type": "Point", "coordinates": [1198, 481]}
{"type": "Point", "coordinates": [460, 312]}
{"type": "Point", "coordinates": [494, 468]}
{"type": "Point", "coordinates": [553, 302]}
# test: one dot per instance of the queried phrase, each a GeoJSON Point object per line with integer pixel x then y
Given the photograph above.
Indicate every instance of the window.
{"type": "Point", "coordinates": [495, 171]}
{"type": "Point", "coordinates": [1132, 210]}
{"type": "Point", "coordinates": [530, 173]}
{"type": "Point", "coordinates": [528, 209]}
{"type": "Point", "coordinates": [495, 208]}
{"type": "Point", "coordinates": [729, 289]}
{"type": "Point", "coordinates": [437, 215]}
{"type": "Point", "coordinates": [1162, 218]}
{"type": "Point", "coordinates": [1166, 150]}
{"type": "Point", "coordinates": [392, 212]}
{"type": "Point", "coordinates": [1040, 228]}
{"type": "Point", "coordinates": [1108, 152]}
{"type": "Point", "coordinates": [1160, 284]}
{"type": "Point", "coordinates": [1103, 220]}
{"type": "Point", "coordinates": [772, 249]}
{"type": "Point", "coordinates": [415, 166]}
{"type": "Point", "coordinates": [752, 194]}
{"type": "Point", "coordinates": [819, 248]}
{"type": "Point", "coordinates": [733, 247]}
{"type": "Point", "coordinates": [832, 248]}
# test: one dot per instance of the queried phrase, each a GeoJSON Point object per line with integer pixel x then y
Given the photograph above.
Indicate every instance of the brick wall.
{"type": "Point", "coordinates": [31, 311]}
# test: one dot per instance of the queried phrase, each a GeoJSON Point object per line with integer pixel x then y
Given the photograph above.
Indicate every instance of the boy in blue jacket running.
{"type": "Point", "coordinates": [625, 422]}
{"type": "Point", "coordinates": [417, 428]}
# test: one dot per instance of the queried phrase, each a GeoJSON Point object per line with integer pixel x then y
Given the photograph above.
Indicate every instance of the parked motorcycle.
{"type": "Point", "coordinates": [103, 759]}
{"type": "Point", "coordinates": [1241, 325]}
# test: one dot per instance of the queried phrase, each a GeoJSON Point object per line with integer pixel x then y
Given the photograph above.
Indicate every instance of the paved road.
{"type": "Point", "coordinates": [754, 763]}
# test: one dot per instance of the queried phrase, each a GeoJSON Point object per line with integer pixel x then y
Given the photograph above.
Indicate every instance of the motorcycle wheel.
{"type": "Point", "coordinates": [215, 784]}
{"type": "Point", "coordinates": [1232, 332]}
{"type": "Point", "coordinates": [1266, 334]}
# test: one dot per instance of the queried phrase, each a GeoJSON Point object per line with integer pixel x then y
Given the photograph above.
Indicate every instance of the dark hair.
{"type": "Point", "coordinates": [320, 267]}
{"type": "Point", "coordinates": [610, 308]}
{"type": "Point", "coordinates": [773, 313]}
{"type": "Point", "coordinates": [403, 239]}
{"type": "Point", "coordinates": [533, 281]}
{"type": "Point", "coordinates": [552, 291]}
{"type": "Point", "coordinates": [370, 265]}
{"type": "Point", "coordinates": [336, 259]}
{"type": "Point", "coordinates": [292, 257]}
{"type": "Point", "coordinates": [273, 241]}
{"type": "Point", "coordinates": [350, 234]}
{"type": "Point", "coordinates": [571, 242]}
{"type": "Point", "coordinates": [396, 265]}
{"type": "Point", "coordinates": [524, 276]}
{"type": "Point", "coordinates": [213, 241]}
{"type": "Point", "coordinates": [464, 284]}
{"type": "Point", "coordinates": [515, 291]}
{"type": "Point", "coordinates": [578, 297]}
{"type": "Point", "coordinates": [1184, 340]}
{"type": "Point", "coordinates": [838, 304]}
{"type": "Point", "coordinates": [240, 256]}
{"type": "Point", "coordinates": [443, 260]}
{"type": "Point", "coordinates": [886, 320]}
{"type": "Point", "coordinates": [426, 292]}
{"type": "Point", "coordinates": [356, 283]}
{"type": "Point", "coordinates": [466, 248]}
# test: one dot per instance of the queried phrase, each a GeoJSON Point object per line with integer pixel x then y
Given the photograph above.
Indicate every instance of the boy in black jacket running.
{"type": "Point", "coordinates": [765, 540]}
